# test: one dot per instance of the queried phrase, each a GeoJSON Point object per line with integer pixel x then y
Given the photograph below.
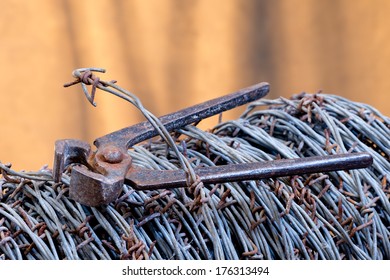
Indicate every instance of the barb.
{"type": "Point", "coordinates": [85, 76]}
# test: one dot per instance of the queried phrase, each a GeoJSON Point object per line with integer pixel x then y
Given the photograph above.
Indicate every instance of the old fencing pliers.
{"type": "Point", "coordinates": [97, 176]}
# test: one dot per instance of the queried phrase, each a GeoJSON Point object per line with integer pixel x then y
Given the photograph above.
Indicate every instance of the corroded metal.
{"type": "Point", "coordinates": [143, 179]}
{"type": "Point", "coordinates": [99, 176]}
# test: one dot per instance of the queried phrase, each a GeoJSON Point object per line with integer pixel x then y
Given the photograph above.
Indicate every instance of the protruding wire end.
{"type": "Point", "coordinates": [72, 83]}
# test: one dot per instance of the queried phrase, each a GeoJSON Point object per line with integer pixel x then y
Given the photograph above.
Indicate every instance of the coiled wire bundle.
{"type": "Point", "coordinates": [335, 215]}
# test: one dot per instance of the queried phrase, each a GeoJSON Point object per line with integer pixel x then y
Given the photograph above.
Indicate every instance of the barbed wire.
{"type": "Point", "coordinates": [335, 215]}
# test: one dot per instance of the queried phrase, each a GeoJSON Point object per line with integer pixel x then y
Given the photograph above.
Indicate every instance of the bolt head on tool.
{"type": "Point", "coordinates": [91, 188]}
{"type": "Point", "coordinates": [111, 155]}
{"type": "Point", "coordinates": [103, 184]}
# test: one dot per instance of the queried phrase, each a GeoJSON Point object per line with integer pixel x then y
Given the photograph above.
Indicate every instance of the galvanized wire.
{"type": "Point", "coordinates": [335, 215]}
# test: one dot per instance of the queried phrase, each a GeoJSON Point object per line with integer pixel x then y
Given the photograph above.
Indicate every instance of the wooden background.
{"type": "Point", "coordinates": [173, 54]}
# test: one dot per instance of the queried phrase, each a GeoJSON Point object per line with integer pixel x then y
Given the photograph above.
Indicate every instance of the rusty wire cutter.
{"type": "Point", "coordinates": [99, 176]}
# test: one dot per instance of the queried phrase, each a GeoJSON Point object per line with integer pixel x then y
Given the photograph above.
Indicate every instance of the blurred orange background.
{"type": "Point", "coordinates": [174, 54]}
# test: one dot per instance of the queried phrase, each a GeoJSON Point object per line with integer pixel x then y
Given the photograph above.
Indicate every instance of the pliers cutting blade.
{"type": "Point", "coordinates": [98, 176]}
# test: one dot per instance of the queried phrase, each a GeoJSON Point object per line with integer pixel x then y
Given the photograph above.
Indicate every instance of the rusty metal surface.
{"type": "Point", "coordinates": [99, 179]}
{"type": "Point", "coordinates": [104, 170]}
{"type": "Point", "coordinates": [143, 179]}
{"type": "Point", "coordinates": [102, 182]}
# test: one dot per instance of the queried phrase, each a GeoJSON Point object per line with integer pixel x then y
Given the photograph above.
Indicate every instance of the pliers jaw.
{"type": "Point", "coordinates": [67, 152]}
{"type": "Point", "coordinates": [92, 188]}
